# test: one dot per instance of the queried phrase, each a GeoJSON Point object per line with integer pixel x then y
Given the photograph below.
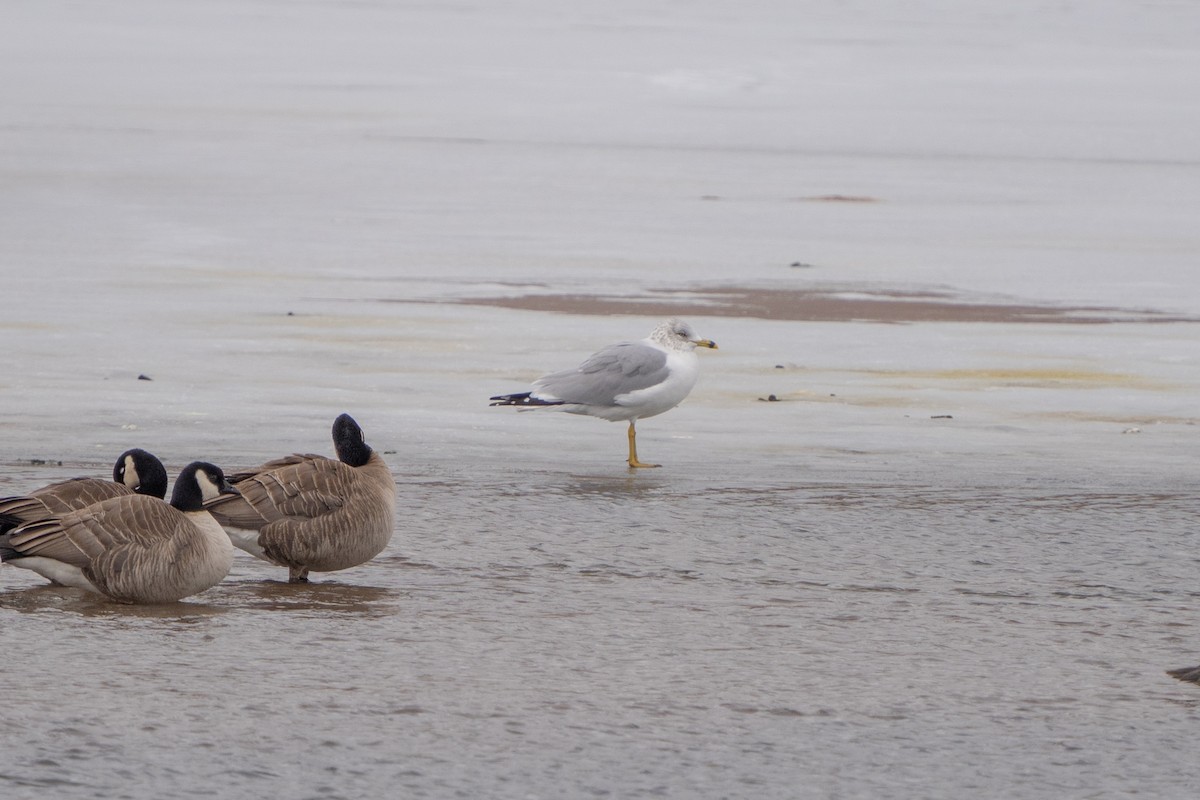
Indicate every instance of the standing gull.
{"type": "Point", "coordinates": [630, 380]}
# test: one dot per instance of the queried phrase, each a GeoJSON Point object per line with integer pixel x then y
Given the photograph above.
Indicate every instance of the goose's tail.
{"type": "Point", "coordinates": [1186, 674]}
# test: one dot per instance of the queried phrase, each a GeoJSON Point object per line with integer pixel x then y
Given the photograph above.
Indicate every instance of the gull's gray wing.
{"type": "Point", "coordinates": [613, 371]}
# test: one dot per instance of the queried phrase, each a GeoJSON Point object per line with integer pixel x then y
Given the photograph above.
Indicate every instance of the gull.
{"type": "Point", "coordinates": [625, 381]}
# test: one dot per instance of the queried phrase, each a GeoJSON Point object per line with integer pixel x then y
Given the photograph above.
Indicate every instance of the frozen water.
{"type": "Point", "coordinates": [953, 559]}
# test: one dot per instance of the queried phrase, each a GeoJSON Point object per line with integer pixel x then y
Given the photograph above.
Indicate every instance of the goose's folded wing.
{"type": "Point", "coordinates": [277, 463]}
{"type": "Point", "coordinates": [135, 522]}
{"type": "Point", "coordinates": [306, 487]}
{"type": "Point", "coordinates": [46, 539]}
{"type": "Point", "coordinates": [76, 493]}
{"type": "Point", "coordinates": [79, 536]}
{"type": "Point", "coordinates": [137, 548]}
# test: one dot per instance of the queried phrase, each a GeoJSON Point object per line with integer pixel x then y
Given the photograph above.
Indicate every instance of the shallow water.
{"type": "Point", "coordinates": [708, 631]}
{"type": "Point", "coordinates": [952, 559]}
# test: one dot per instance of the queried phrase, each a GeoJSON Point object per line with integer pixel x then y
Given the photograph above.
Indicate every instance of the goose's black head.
{"type": "Point", "coordinates": [348, 441]}
{"type": "Point", "coordinates": [142, 472]}
{"type": "Point", "coordinates": [198, 482]}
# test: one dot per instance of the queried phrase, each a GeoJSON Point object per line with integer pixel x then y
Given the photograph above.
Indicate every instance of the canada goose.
{"type": "Point", "coordinates": [626, 381]}
{"type": "Point", "coordinates": [133, 548]}
{"type": "Point", "coordinates": [312, 513]}
{"type": "Point", "coordinates": [135, 471]}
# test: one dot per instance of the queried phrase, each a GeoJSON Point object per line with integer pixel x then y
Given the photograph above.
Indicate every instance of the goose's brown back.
{"type": "Point", "coordinates": [133, 548]}
{"type": "Point", "coordinates": [314, 513]}
{"type": "Point", "coordinates": [62, 498]}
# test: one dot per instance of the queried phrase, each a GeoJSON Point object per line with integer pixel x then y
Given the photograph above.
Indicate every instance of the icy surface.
{"type": "Point", "coordinates": [946, 545]}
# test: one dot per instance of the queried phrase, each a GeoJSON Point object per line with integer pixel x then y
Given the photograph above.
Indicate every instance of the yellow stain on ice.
{"type": "Point", "coordinates": [27, 326]}
{"type": "Point", "coordinates": [1046, 377]}
{"type": "Point", "coordinates": [1117, 419]}
{"type": "Point", "coordinates": [1030, 378]}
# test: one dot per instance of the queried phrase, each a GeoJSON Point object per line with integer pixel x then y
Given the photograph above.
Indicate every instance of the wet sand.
{"type": "Point", "coordinates": [845, 304]}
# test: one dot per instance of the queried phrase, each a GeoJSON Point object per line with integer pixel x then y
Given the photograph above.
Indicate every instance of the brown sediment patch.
{"type": "Point", "coordinates": [823, 305]}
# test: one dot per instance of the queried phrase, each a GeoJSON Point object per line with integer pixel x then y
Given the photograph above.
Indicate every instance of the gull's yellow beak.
{"type": "Point", "coordinates": [705, 343]}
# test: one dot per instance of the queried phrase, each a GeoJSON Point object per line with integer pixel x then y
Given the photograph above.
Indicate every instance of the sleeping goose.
{"type": "Point", "coordinates": [133, 548]}
{"type": "Point", "coordinates": [135, 471]}
{"type": "Point", "coordinates": [312, 513]}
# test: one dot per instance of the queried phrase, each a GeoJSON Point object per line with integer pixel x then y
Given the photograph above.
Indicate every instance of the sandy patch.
{"type": "Point", "coordinates": [824, 305]}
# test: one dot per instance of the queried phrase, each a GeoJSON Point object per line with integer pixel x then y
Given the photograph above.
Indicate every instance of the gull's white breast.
{"type": "Point", "coordinates": [682, 371]}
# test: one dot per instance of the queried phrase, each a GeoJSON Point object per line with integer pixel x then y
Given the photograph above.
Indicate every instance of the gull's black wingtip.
{"type": "Point", "coordinates": [521, 399]}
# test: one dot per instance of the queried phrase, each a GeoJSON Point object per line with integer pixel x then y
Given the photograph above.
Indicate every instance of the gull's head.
{"type": "Point", "coordinates": [676, 334]}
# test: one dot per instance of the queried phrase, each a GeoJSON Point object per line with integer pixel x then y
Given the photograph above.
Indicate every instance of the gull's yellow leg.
{"type": "Point", "coordinates": [633, 459]}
